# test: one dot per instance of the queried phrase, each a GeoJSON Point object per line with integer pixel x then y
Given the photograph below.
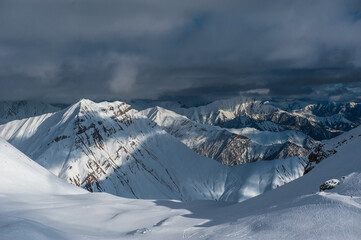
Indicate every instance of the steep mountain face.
{"type": "Point", "coordinates": [229, 147]}
{"type": "Point", "coordinates": [330, 147]}
{"type": "Point", "coordinates": [113, 148]}
{"type": "Point", "coordinates": [24, 109]}
{"type": "Point", "coordinates": [318, 120]}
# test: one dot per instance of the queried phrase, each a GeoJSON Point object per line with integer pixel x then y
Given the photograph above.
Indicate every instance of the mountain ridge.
{"type": "Point", "coordinates": [228, 146]}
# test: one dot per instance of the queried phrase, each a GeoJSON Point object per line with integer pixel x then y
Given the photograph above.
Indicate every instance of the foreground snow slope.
{"type": "Point", "coordinates": [294, 211]}
{"type": "Point", "coordinates": [20, 174]}
{"type": "Point", "coordinates": [35, 204]}
{"type": "Point", "coordinates": [113, 148]}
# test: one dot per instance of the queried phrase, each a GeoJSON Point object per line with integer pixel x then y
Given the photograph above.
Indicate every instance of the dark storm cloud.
{"type": "Point", "coordinates": [65, 50]}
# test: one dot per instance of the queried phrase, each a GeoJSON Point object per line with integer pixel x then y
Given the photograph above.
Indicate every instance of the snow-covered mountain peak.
{"type": "Point", "coordinates": [112, 109]}
{"type": "Point", "coordinates": [159, 114]}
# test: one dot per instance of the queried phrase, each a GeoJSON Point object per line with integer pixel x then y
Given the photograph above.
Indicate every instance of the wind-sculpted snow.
{"type": "Point", "coordinates": [112, 148]}
{"type": "Point", "coordinates": [317, 120]}
{"type": "Point", "coordinates": [231, 146]}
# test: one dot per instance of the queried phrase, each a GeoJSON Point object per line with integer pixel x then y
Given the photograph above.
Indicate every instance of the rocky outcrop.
{"type": "Point", "coordinates": [330, 147]}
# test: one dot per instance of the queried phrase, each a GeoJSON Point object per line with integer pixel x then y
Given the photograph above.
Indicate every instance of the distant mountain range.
{"type": "Point", "coordinates": [231, 146]}
{"type": "Point", "coordinates": [320, 120]}
{"type": "Point", "coordinates": [14, 110]}
{"type": "Point", "coordinates": [161, 153]}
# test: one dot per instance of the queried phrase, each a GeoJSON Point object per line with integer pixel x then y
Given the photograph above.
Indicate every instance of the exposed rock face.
{"type": "Point", "coordinates": [330, 147]}
{"type": "Point", "coordinates": [329, 184]}
{"type": "Point", "coordinates": [90, 133]}
{"type": "Point", "coordinates": [317, 155]}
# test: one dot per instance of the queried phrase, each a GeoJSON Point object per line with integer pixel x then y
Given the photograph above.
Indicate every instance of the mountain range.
{"type": "Point", "coordinates": [110, 147]}
{"type": "Point", "coordinates": [156, 153]}
{"type": "Point", "coordinates": [319, 120]}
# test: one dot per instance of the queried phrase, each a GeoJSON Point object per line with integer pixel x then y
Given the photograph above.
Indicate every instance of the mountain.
{"type": "Point", "coordinates": [23, 109]}
{"type": "Point", "coordinates": [318, 120]}
{"type": "Point", "coordinates": [230, 146]}
{"type": "Point", "coordinates": [34, 207]}
{"type": "Point", "coordinates": [113, 148]}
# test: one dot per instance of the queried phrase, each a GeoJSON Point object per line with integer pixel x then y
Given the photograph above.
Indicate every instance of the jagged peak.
{"type": "Point", "coordinates": [85, 105]}
{"type": "Point", "coordinates": [88, 109]}
{"type": "Point", "coordinates": [163, 110]}
{"type": "Point", "coordinates": [157, 111]}
{"type": "Point", "coordinates": [85, 101]}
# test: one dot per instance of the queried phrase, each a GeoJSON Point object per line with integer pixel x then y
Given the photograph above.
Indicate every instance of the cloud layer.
{"type": "Point", "coordinates": [65, 50]}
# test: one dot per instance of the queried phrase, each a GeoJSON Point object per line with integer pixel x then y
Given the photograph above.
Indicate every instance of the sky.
{"type": "Point", "coordinates": [61, 51]}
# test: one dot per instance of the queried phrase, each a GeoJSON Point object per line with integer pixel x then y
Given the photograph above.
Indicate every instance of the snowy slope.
{"type": "Point", "coordinates": [21, 175]}
{"type": "Point", "coordinates": [35, 204]}
{"type": "Point", "coordinates": [231, 147]}
{"type": "Point", "coordinates": [319, 120]}
{"type": "Point", "coordinates": [24, 109]}
{"type": "Point", "coordinates": [297, 210]}
{"type": "Point", "coordinates": [112, 148]}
